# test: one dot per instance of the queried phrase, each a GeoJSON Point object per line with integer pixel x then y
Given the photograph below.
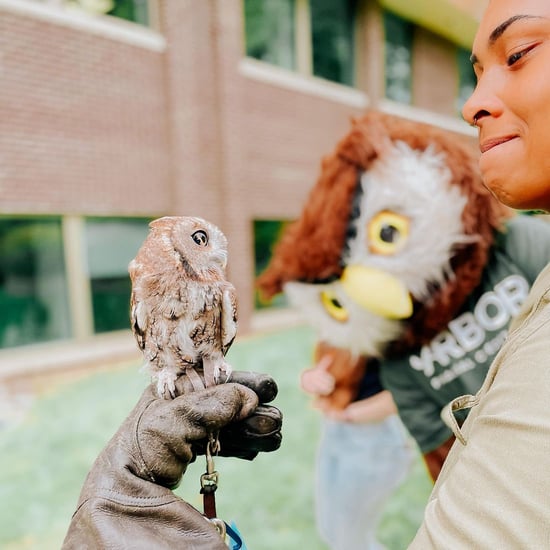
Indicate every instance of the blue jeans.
{"type": "Point", "coordinates": [358, 468]}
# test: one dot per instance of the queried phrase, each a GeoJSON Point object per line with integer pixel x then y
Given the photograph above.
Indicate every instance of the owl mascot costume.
{"type": "Point", "coordinates": [409, 271]}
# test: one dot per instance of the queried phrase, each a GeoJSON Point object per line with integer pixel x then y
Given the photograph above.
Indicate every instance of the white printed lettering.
{"type": "Point", "coordinates": [444, 346]}
{"type": "Point", "coordinates": [512, 291]}
{"type": "Point", "coordinates": [467, 332]}
{"type": "Point", "coordinates": [492, 321]}
{"type": "Point", "coordinates": [423, 363]}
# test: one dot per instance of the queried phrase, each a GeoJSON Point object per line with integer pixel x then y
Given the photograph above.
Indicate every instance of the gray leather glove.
{"type": "Point", "coordinates": [126, 500]}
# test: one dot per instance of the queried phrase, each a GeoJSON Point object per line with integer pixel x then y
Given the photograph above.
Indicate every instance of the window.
{"type": "Point", "coordinates": [332, 29]}
{"type": "Point", "coordinates": [398, 48]}
{"type": "Point", "coordinates": [313, 37]}
{"type": "Point", "coordinates": [33, 297]}
{"type": "Point", "coordinates": [132, 10]}
{"type": "Point", "coordinates": [110, 245]}
{"type": "Point", "coordinates": [466, 78]}
{"type": "Point", "coordinates": [266, 234]}
{"type": "Point", "coordinates": [269, 28]}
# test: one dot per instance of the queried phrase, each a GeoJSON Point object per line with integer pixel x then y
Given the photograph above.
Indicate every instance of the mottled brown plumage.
{"type": "Point", "coordinates": [183, 310]}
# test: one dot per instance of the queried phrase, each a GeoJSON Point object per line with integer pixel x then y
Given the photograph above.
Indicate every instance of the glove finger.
{"type": "Point", "coordinates": [212, 408]}
{"type": "Point", "coordinates": [260, 432]}
{"type": "Point", "coordinates": [261, 383]}
{"type": "Point", "coordinates": [266, 421]}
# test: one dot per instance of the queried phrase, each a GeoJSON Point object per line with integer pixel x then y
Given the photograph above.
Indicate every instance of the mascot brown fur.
{"type": "Point", "coordinates": [310, 250]}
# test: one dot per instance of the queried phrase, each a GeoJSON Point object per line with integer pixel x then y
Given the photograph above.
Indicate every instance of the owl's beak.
{"type": "Point", "coordinates": [378, 291]}
{"type": "Point", "coordinates": [221, 258]}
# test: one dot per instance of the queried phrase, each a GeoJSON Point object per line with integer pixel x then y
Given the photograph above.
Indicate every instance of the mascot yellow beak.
{"type": "Point", "coordinates": [378, 291]}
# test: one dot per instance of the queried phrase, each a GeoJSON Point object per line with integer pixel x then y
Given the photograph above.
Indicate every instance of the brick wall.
{"type": "Point", "coordinates": [100, 116]}
{"type": "Point", "coordinates": [84, 117]}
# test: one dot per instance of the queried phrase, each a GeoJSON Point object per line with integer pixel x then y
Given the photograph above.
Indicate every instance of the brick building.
{"type": "Point", "coordinates": [107, 123]}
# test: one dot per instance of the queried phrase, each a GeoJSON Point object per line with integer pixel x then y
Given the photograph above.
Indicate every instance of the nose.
{"type": "Point", "coordinates": [484, 101]}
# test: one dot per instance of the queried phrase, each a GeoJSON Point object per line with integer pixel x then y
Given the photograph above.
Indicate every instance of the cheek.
{"type": "Point", "coordinates": [534, 175]}
{"type": "Point", "coordinates": [523, 187]}
{"type": "Point", "coordinates": [525, 100]}
{"type": "Point", "coordinates": [535, 194]}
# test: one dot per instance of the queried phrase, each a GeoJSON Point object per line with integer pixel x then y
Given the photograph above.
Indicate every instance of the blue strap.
{"type": "Point", "coordinates": [233, 532]}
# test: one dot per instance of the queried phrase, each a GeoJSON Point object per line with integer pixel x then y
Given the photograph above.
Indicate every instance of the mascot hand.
{"type": "Point", "coordinates": [317, 380]}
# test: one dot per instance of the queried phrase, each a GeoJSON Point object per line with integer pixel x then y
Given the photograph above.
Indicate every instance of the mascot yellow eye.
{"type": "Point", "coordinates": [333, 306]}
{"type": "Point", "coordinates": [387, 232]}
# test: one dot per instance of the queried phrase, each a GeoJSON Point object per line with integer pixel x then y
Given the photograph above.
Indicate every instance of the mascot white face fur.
{"type": "Point", "coordinates": [406, 229]}
{"type": "Point", "coordinates": [392, 239]}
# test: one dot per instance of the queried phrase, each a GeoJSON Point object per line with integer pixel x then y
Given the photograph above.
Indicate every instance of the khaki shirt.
{"type": "Point", "coordinates": [494, 490]}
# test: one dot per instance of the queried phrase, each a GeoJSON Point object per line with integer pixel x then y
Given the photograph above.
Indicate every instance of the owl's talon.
{"type": "Point", "coordinates": [166, 385]}
{"type": "Point", "coordinates": [219, 368]}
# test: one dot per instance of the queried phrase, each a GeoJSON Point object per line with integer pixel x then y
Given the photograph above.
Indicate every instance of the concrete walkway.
{"type": "Point", "coordinates": [30, 371]}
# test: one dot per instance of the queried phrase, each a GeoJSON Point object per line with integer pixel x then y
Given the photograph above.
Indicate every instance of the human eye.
{"type": "Point", "coordinates": [512, 59]}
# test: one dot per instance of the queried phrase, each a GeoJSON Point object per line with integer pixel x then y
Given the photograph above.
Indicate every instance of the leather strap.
{"type": "Point", "coordinates": [209, 504]}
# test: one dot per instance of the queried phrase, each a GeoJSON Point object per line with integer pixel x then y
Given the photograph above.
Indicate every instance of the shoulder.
{"type": "Point", "coordinates": [525, 241]}
{"type": "Point", "coordinates": [523, 225]}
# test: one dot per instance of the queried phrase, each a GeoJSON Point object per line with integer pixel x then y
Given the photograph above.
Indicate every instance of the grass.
{"type": "Point", "coordinates": [44, 459]}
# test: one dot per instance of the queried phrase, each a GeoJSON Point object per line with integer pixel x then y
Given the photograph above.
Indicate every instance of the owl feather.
{"type": "Point", "coordinates": [183, 310]}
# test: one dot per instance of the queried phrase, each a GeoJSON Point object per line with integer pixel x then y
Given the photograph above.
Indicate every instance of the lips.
{"type": "Point", "coordinates": [488, 144]}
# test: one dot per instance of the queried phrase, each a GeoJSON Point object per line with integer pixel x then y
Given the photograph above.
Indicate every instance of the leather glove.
{"type": "Point", "coordinates": [126, 500]}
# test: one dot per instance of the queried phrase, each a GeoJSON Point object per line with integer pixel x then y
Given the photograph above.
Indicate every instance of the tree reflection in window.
{"type": "Point", "coordinates": [332, 29]}
{"type": "Point", "coordinates": [269, 28]}
{"type": "Point", "coordinates": [33, 295]}
{"type": "Point", "coordinates": [110, 245]}
{"type": "Point", "coordinates": [398, 48]}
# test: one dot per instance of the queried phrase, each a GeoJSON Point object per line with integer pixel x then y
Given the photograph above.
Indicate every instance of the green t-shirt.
{"type": "Point", "coordinates": [456, 361]}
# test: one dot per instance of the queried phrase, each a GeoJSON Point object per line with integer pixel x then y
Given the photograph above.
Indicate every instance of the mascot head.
{"type": "Point", "coordinates": [393, 238]}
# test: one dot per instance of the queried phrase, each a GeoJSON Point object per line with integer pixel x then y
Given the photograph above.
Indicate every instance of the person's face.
{"type": "Point", "coordinates": [511, 102]}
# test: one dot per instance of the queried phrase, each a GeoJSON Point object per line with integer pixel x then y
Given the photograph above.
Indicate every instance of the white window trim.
{"type": "Point", "coordinates": [102, 25]}
{"type": "Point", "coordinates": [78, 279]}
{"type": "Point", "coordinates": [453, 124]}
{"type": "Point", "coordinates": [310, 85]}
{"type": "Point", "coordinates": [303, 38]}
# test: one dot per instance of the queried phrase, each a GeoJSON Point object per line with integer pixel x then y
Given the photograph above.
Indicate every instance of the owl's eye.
{"type": "Point", "coordinates": [387, 232]}
{"type": "Point", "coordinates": [333, 306]}
{"type": "Point", "coordinates": [200, 237]}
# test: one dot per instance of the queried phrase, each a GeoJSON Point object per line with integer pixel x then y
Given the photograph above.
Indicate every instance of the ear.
{"type": "Point", "coordinates": [165, 222]}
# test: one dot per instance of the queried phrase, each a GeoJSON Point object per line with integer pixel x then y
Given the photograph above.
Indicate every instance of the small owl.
{"type": "Point", "coordinates": [183, 310]}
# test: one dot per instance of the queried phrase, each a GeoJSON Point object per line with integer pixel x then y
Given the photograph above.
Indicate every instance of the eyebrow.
{"type": "Point", "coordinates": [499, 31]}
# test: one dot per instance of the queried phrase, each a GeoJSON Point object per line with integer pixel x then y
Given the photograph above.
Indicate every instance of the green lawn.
{"type": "Point", "coordinates": [44, 459]}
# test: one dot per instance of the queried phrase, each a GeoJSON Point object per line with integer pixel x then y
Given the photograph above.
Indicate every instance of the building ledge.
{"type": "Point", "coordinates": [306, 84]}
{"type": "Point", "coordinates": [416, 114]}
{"type": "Point", "coordinates": [103, 25]}
{"type": "Point", "coordinates": [52, 357]}
{"type": "Point", "coordinates": [107, 350]}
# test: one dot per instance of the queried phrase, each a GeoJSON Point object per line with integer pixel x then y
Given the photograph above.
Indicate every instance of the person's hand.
{"type": "Point", "coordinates": [334, 380]}
{"type": "Point", "coordinates": [127, 494]}
{"type": "Point", "coordinates": [257, 432]}
{"type": "Point", "coordinates": [317, 380]}
{"type": "Point", "coordinates": [372, 409]}
{"type": "Point", "coordinates": [172, 432]}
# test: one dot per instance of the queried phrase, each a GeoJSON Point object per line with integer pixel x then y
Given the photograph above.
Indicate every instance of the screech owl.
{"type": "Point", "coordinates": [183, 311]}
